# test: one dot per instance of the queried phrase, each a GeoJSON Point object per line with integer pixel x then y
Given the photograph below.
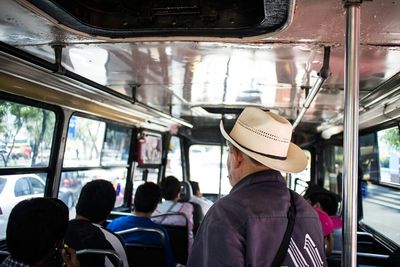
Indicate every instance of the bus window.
{"type": "Point", "coordinates": [116, 145]}
{"type": "Point", "coordinates": [205, 164]}
{"type": "Point", "coordinates": [73, 181]}
{"type": "Point", "coordinates": [26, 135]}
{"type": "Point", "coordinates": [84, 142]}
{"type": "Point", "coordinates": [174, 159]}
{"type": "Point", "coordinates": [140, 174]}
{"type": "Point", "coordinates": [380, 153]}
{"type": "Point", "coordinates": [389, 154]}
{"type": "Point", "coordinates": [301, 178]}
{"type": "Point", "coordinates": [332, 169]}
{"type": "Point", "coordinates": [94, 150]}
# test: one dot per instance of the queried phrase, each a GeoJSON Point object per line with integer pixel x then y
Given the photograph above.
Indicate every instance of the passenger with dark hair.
{"type": "Point", "coordinates": [86, 231]}
{"type": "Point", "coordinates": [35, 232]}
{"type": "Point", "coordinates": [170, 189]}
{"type": "Point", "coordinates": [326, 204]}
{"type": "Point", "coordinates": [146, 199]}
{"type": "Point", "coordinates": [198, 198]}
{"type": "Point", "coordinates": [326, 200]}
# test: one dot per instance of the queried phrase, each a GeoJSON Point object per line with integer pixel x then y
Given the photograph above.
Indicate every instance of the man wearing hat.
{"type": "Point", "coordinates": [260, 222]}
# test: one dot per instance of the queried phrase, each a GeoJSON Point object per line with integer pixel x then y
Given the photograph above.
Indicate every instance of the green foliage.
{"type": "Point", "coordinates": [38, 123]}
{"type": "Point", "coordinates": [392, 138]}
{"type": "Point", "coordinates": [384, 162]}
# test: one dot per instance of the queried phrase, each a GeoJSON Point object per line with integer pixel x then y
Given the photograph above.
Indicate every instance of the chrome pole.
{"type": "Point", "coordinates": [350, 140]}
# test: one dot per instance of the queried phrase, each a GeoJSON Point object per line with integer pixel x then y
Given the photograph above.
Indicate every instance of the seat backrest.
{"type": "Point", "coordinates": [186, 195]}
{"type": "Point", "coordinates": [197, 216]}
{"type": "Point", "coordinates": [144, 255]}
{"type": "Point", "coordinates": [3, 255]}
{"type": "Point", "coordinates": [178, 236]}
{"type": "Point", "coordinates": [186, 192]}
{"type": "Point", "coordinates": [112, 255]}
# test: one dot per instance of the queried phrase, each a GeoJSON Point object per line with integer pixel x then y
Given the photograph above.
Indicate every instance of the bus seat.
{"type": "Point", "coordinates": [112, 255]}
{"type": "Point", "coordinates": [186, 192]}
{"type": "Point", "coordinates": [394, 258]}
{"type": "Point", "coordinates": [197, 217]}
{"type": "Point", "coordinates": [178, 236]}
{"type": "Point", "coordinates": [143, 255]}
{"type": "Point", "coordinates": [3, 255]}
{"type": "Point", "coordinates": [186, 195]}
{"type": "Point", "coordinates": [337, 239]}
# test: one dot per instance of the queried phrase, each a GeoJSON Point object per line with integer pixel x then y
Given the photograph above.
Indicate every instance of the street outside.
{"type": "Point", "coordinates": [381, 208]}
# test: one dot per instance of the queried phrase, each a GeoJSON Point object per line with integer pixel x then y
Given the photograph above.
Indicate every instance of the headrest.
{"type": "Point", "coordinates": [186, 191]}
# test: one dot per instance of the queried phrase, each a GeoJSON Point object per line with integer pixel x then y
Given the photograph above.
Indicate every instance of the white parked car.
{"type": "Point", "coordinates": [13, 189]}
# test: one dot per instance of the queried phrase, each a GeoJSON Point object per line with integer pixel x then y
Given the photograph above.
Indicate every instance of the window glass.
{"type": "Point", "coordinates": [152, 174]}
{"type": "Point", "coordinates": [15, 188]}
{"type": "Point", "coordinates": [205, 163]}
{"type": "Point", "coordinates": [72, 182]}
{"type": "Point", "coordinates": [36, 185]}
{"type": "Point", "coordinates": [389, 154]}
{"type": "Point", "coordinates": [84, 142]}
{"type": "Point", "coordinates": [301, 178]}
{"type": "Point", "coordinates": [2, 184]}
{"type": "Point", "coordinates": [332, 168]}
{"type": "Point", "coordinates": [369, 157]}
{"type": "Point", "coordinates": [174, 159]}
{"type": "Point", "coordinates": [22, 187]}
{"type": "Point", "coordinates": [380, 153]}
{"type": "Point", "coordinates": [26, 135]}
{"type": "Point", "coordinates": [335, 177]}
{"type": "Point", "coordinates": [116, 145]}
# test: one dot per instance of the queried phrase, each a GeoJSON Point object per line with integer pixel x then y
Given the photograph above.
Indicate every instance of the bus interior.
{"type": "Point", "coordinates": [133, 91]}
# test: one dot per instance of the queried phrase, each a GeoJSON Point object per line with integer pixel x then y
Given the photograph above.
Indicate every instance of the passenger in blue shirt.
{"type": "Point", "coordinates": [146, 199]}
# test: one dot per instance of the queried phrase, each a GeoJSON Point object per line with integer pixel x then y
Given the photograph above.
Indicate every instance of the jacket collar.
{"type": "Point", "coordinates": [259, 177]}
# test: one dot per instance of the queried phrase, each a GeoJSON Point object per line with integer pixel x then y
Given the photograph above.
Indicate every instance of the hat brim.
{"type": "Point", "coordinates": [296, 160]}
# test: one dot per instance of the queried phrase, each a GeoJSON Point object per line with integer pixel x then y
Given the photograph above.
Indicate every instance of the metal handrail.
{"type": "Point", "coordinates": [143, 229]}
{"type": "Point", "coordinates": [323, 74]}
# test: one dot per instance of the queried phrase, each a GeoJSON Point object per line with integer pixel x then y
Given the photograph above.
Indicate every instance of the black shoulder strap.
{"type": "Point", "coordinates": [280, 255]}
{"type": "Point", "coordinates": [170, 208]}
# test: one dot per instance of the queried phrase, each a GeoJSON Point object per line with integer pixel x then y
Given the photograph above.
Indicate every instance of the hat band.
{"type": "Point", "coordinates": [259, 153]}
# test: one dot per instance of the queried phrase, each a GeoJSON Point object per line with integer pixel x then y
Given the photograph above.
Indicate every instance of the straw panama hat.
{"type": "Point", "coordinates": [265, 137]}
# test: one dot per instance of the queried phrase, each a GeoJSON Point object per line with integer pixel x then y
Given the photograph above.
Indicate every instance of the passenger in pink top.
{"type": "Point", "coordinates": [326, 204]}
{"type": "Point", "coordinates": [327, 229]}
{"type": "Point", "coordinates": [170, 189]}
{"type": "Point", "coordinates": [337, 221]}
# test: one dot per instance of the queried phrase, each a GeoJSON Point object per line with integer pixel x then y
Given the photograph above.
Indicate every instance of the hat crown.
{"type": "Point", "coordinates": [263, 132]}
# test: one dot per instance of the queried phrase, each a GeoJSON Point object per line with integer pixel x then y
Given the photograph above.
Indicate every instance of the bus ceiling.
{"type": "Point", "coordinates": [124, 19]}
{"type": "Point", "coordinates": [182, 75]}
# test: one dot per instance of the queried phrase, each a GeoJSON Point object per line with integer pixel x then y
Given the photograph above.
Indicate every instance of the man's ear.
{"type": "Point", "coordinates": [237, 157]}
{"type": "Point", "coordinates": [317, 205]}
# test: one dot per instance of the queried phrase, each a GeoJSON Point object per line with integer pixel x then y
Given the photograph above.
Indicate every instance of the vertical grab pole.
{"type": "Point", "coordinates": [220, 171]}
{"type": "Point", "coordinates": [350, 141]}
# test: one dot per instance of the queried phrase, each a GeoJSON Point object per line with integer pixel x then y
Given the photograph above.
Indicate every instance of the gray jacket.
{"type": "Point", "coordinates": [246, 227]}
